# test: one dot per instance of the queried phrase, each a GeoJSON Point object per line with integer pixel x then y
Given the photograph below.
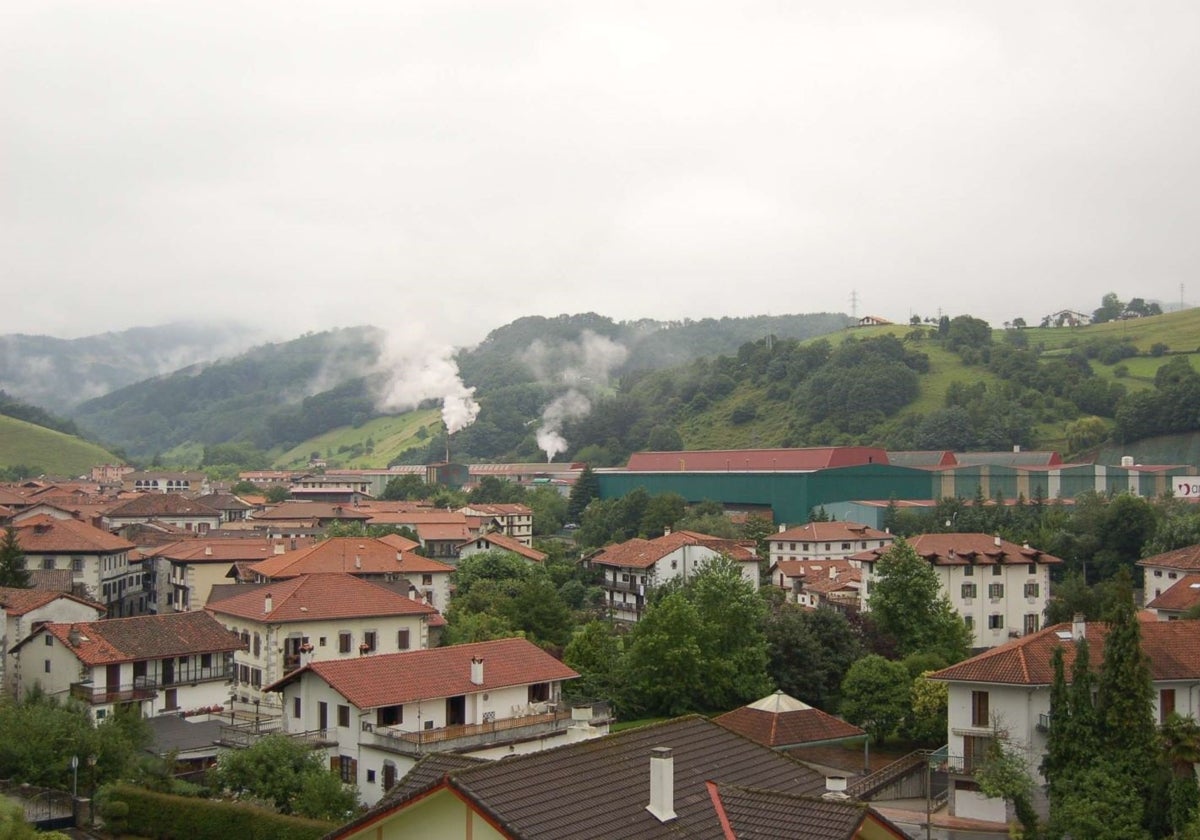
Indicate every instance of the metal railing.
{"type": "Point", "coordinates": [99, 695]}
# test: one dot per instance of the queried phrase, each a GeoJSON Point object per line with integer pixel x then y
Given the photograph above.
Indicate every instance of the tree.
{"type": "Point", "coordinates": [1110, 309]}
{"type": "Point", "coordinates": [665, 660]}
{"type": "Point", "coordinates": [875, 695]}
{"type": "Point", "coordinates": [14, 827]}
{"type": "Point", "coordinates": [906, 603]}
{"type": "Point", "coordinates": [586, 488]}
{"type": "Point", "coordinates": [809, 653]}
{"type": "Point", "coordinates": [405, 488]}
{"type": "Point", "coordinates": [12, 561]}
{"type": "Point", "coordinates": [494, 490]}
{"type": "Point", "coordinates": [595, 651]}
{"type": "Point", "coordinates": [287, 773]}
{"type": "Point", "coordinates": [1003, 775]}
{"type": "Point", "coordinates": [277, 493]}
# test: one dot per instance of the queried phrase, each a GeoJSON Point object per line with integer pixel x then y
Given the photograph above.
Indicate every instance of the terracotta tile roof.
{"type": "Point", "coordinates": [161, 504]}
{"type": "Point", "coordinates": [21, 601]}
{"type": "Point", "coordinates": [1173, 648]}
{"type": "Point", "coordinates": [757, 460]}
{"type": "Point", "coordinates": [223, 501]}
{"type": "Point", "coordinates": [509, 544]}
{"type": "Point", "coordinates": [390, 679]}
{"type": "Point", "coordinates": [1182, 596]}
{"type": "Point", "coordinates": [415, 564]}
{"type": "Point", "coordinates": [303, 511]}
{"type": "Point", "coordinates": [849, 579]}
{"type": "Point", "coordinates": [782, 721]}
{"type": "Point", "coordinates": [143, 637]}
{"type": "Point", "coordinates": [52, 580]}
{"type": "Point", "coordinates": [967, 549]}
{"type": "Point", "coordinates": [443, 531]}
{"type": "Point", "coordinates": [771, 815]}
{"type": "Point", "coordinates": [315, 598]}
{"type": "Point", "coordinates": [830, 532]}
{"type": "Point", "coordinates": [1185, 559]}
{"type": "Point", "coordinates": [46, 535]}
{"type": "Point", "coordinates": [221, 550]}
{"type": "Point", "coordinates": [498, 510]}
{"type": "Point", "coordinates": [422, 516]}
{"type": "Point", "coordinates": [812, 570]}
{"type": "Point", "coordinates": [352, 555]}
{"type": "Point", "coordinates": [642, 554]}
{"type": "Point", "coordinates": [398, 542]}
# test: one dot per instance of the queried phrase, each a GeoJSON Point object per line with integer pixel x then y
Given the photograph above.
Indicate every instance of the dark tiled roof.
{"type": "Point", "coordinates": [770, 815]}
{"type": "Point", "coordinates": [965, 550]}
{"type": "Point", "coordinates": [144, 637]}
{"type": "Point", "coordinates": [426, 773]}
{"type": "Point", "coordinates": [161, 504]}
{"type": "Point", "coordinates": [602, 786]}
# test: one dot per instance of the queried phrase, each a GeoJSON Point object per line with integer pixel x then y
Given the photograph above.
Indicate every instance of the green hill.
{"type": "Point", "coordinates": [374, 444]}
{"type": "Point", "coordinates": [44, 451]}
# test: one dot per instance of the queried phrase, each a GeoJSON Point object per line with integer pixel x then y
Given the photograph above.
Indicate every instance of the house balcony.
{"type": "Point", "coordinates": [624, 586]}
{"type": "Point", "coordinates": [200, 675]}
{"type": "Point", "coordinates": [101, 695]}
{"type": "Point", "coordinates": [536, 724]}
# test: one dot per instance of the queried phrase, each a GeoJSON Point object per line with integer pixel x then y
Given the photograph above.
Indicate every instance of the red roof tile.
{"type": "Point", "coordinates": [642, 554]}
{"type": "Point", "coordinates": [21, 601]}
{"type": "Point", "coordinates": [222, 550]}
{"type": "Point", "coordinates": [506, 543]}
{"type": "Point", "coordinates": [317, 598]}
{"type": "Point", "coordinates": [830, 532]}
{"type": "Point", "coordinates": [967, 549]}
{"type": "Point", "coordinates": [782, 721]}
{"type": "Point", "coordinates": [1173, 648]}
{"type": "Point", "coordinates": [143, 637]}
{"type": "Point", "coordinates": [1186, 559]}
{"type": "Point", "coordinates": [1182, 596]}
{"type": "Point", "coordinates": [161, 504]}
{"type": "Point", "coordinates": [45, 535]}
{"type": "Point", "coordinates": [352, 555]}
{"type": "Point", "coordinates": [394, 678]}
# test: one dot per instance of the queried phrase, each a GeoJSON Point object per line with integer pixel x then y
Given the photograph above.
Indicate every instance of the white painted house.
{"type": "Point", "coordinates": [23, 609]}
{"type": "Point", "coordinates": [1162, 571]}
{"type": "Point", "coordinates": [1007, 690]}
{"type": "Point", "coordinates": [999, 588]}
{"type": "Point", "coordinates": [633, 567]}
{"type": "Point", "coordinates": [383, 713]}
{"type": "Point", "coordinates": [826, 541]}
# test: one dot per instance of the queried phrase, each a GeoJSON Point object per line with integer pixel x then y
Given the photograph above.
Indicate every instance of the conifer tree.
{"type": "Point", "coordinates": [12, 561]}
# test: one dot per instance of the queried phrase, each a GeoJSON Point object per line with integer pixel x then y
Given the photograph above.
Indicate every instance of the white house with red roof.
{"type": "Point", "coordinates": [1162, 571]}
{"type": "Point", "coordinates": [999, 588]}
{"type": "Point", "coordinates": [635, 566]}
{"type": "Point", "coordinates": [1183, 596]}
{"type": "Point", "coordinates": [22, 609]}
{"type": "Point", "coordinates": [825, 541]}
{"type": "Point", "coordinates": [1007, 690]}
{"type": "Point", "coordinates": [173, 508]}
{"type": "Point", "coordinates": [487, 699]}
{"type": "Point", "coordinates": [511, 520]}
{"type": "Point", "coordinates": [103, 567]}
{"type": "Point", "coordinates": [496, 541]}
{"type": "Point", "coordinates": [814, 583]}
{"type": "Point", "coordinates": [155, 663]}
{"type": "Point", "coordinates": [313, 618]}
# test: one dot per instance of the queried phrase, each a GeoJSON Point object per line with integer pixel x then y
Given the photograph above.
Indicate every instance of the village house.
{"type": "Point", "coordinates": [1006, 690]}
{"type": "Point", "coordinates": [23, 609]}
{"type": "Point", "coordinates": [172, 508]}
{"type": "Point", "coordinates": [1162, 571]}
{"type": "Point", "coordinates": [686, 777]}
{"type": "Point", "coordinates": [816, 583]}
{"type": "Point", "coordinates": [1179, 600]}
{"type": "Point", "coordinates": [489, 699]}
{"type": "Point", "coordinates": [511, 520]}
{"type": "Point", "coordinates": [313, 618]}
{"type": "Point", "coordinates": [154, 663]}
{"type": "Point", "coordinates": [102, 566]}
{"type": "Point", "coordinates": [825, 541]}
{"type": "Point", "coordinates": [784, 723]}
{"type": "Point", "coordinates": [159, 481]}
{"type": "Point", "coordinates": [300, 519]}
{"type": "Point", "coordinates": [1000, 589]}
{"type": "Point", "coordinates": [500, 542]}
{"type": "Point", "coordinates": [630, 569]}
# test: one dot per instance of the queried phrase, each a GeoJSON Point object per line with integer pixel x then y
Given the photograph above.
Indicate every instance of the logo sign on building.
{"type": "Point", "coordinates": [1186, 486]}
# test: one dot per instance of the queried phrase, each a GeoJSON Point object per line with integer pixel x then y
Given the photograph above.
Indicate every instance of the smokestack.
{"type": "Point", "coordinates": [662, 784]}
{"type": "Point", "coordinates": [476, 671]}
{"type": "Point", "coordinates": [1078, 627]}
{"type": "Point", "coordinates": [268, 604]}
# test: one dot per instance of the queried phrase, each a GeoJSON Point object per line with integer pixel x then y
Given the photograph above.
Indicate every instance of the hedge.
{"type": "Point", "coordinates": [166, 817]}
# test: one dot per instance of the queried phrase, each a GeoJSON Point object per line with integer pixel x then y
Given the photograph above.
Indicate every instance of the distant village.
{"type": "Point", "coordinates": [224, 619]}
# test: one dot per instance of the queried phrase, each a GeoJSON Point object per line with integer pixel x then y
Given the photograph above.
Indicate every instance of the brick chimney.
{"type": "Point", "coordinates": [662, 784]}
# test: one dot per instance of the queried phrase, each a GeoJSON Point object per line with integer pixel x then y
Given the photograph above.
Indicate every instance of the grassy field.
{"type": "Point", "coordinates": [391, 435]}
{"type": "Point", "coordinates": [49, 452]}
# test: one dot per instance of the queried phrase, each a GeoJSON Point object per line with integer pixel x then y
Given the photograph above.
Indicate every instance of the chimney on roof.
{"type": "Point", "coordinates": [74, 637]}
{"type": "Point", "coordinates": [476, 670]}
{"type": "Point", "coordinates": [996, 540]}
{"type": "Point", "coordinates": [268, 604]}
{"type": "Point", "coordinates": [667, 531]}
{"type": "Point", "coordinates": [1078, 627]}
{"type": "Point", "coordinates": [357, 561]}
{"type": "Point", "coordinates": [835, 789]}
{"type": "Point", "coordinates": [662, 784]}
{"type": "Point", "coordinates": [1016, 448]}
{"type": "Point", "coordinates": [782, 527]}
{"type": "Point", "coordinates": [279, 549]}
{"type": "Point", "coordinates": [208, 551]}
{"type": "Point", "coordinates": [833, 572]}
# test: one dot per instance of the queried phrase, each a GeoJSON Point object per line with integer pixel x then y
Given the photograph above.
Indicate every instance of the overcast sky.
{"type": "Point", "coordinates": [462, 164]}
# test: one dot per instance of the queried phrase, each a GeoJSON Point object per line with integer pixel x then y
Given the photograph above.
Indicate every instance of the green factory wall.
{"type": "Point", "coordinates": [790, 495]}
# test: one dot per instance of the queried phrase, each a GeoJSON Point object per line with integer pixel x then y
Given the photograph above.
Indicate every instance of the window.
{"type": "Point", "coordinates": [1033, 568]}
{"type": "Point", "coordinates": [370, 776]}
{"type": "Point", "coordinates": [968, 571]}
{"type": "Point", "coordinates": [257, 646]}
{"type": "Point", "coordinates": [77, 564]}
{"type": "Point", "coordinates": [296, 708]}
{"type": "Point", "coordinates": [402, 642]}
{"type": "Point", "coordinates": [369, 638]}
{"type": "Point", "coordinates": [46, 666]}
{"type": "Point", "coordinates": [845, 546]}
{"type": "Point", "coordinates": [343, 642]}
{"type": "Point", "coordinates": [979, 709]}
{"type": "Point", "coordinates": [49, 640]}
{"type": "Point", "coordinates": [427, 580]}
{"type": "Point", "coordinates": [206, 660]}
{"type": "Point", "coordinates": [256, 677]}
{"type": "Point", "coordinates": [996, 590]}
{"type": "Point", "coordinates": [1158, 572]}
{"type": "Point", "coordinates": [792, 546]}
{"type": "Point", "coordinates": [997, 570]}
{"type": "Point", "coordinates": [321, 641]}
{"type": "Point", "coordinates": [1172, 575]}
{"type": "Point", "coordinates": [47, 562]}
{"type": "Point", "coordinates": [1166, 703]}
{"type": "Point", "coordinates": [1031, 623]}
{"type": "Point", "coordinates": [346, 768]}
{"type": "Point", "coordinates": [389, 716]}
{"type": "Point", "coordinates": [975, 751]}
{"type": "Point", "coordinates": [969, 620]}
{"type": "Point", "coordinates": [968, 590]}
{"type": "Point", "coordinates": [996, 621]}
{"type": "Point", "coordinates": [826, 546]}
{"type": "Point", "coordinates": [343, 713]}
{"type": "Point", "coordinates": [1032, 589]}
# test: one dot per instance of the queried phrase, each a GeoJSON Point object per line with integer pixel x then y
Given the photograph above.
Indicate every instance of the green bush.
{"type": "Point", "coordinates": [159, 815]}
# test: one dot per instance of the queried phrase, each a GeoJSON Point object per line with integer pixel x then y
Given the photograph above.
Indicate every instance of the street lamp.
{"type": "Point", "coordinates": [91, 761]}
{"type": "Point", "coordinates": [75, 777]}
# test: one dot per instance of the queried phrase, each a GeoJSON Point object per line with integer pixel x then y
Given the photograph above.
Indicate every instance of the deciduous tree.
{"type": "Point", "coordinates": [907, 604]}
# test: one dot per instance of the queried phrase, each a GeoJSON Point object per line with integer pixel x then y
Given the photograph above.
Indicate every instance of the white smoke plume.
{"type": "Point", "coordinates": [584, 367]}
{"type": "Point", "coordinates": [569, 406]}
{"type": "Point", "coordinates": [419, 370]}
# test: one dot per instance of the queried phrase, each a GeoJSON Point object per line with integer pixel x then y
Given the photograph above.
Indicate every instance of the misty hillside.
{"type": "Point", "coordinates": [58, 374]}
{"type": "Point", "coordinates": [278, 396]}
